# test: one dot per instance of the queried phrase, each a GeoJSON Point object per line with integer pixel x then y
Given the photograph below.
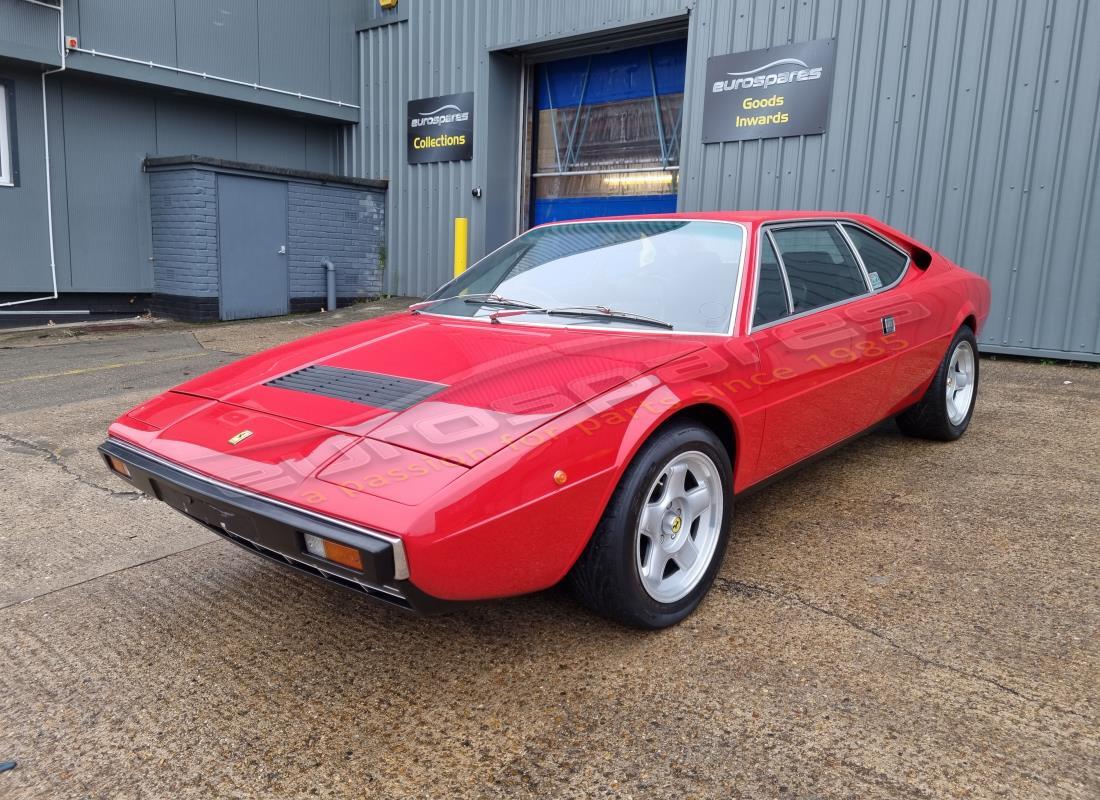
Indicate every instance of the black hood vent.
{"type": "Point", "coordinates": [366, 388]}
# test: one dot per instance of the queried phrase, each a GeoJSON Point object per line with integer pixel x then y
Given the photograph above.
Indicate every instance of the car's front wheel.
{"type": "Point", "coordinates": [661, 540]}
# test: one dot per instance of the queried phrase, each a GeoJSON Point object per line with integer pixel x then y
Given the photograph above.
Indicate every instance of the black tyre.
{"type": "Point", "coordinates": [662, 537]}
{"type": "Point", "coordinates": [943, 414]}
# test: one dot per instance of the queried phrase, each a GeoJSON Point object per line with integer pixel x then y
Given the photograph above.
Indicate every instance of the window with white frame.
{"type": "Point", "coordinates": [7, 177]}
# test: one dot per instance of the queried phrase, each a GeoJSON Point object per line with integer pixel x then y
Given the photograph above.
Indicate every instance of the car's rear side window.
{"type": "Point", "coordinates": [884, 263]}
{"type": "Point", "coordinates": [771, 293]}
{"type": "Point", "coordinates": [821, 268]}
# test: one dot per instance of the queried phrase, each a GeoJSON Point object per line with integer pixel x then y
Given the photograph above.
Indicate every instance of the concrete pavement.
{"type": "Point", "coordinates": [902, 619]}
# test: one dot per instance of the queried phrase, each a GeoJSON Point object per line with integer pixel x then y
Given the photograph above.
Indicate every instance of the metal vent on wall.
{"type": "Point", "coordinates": [368, 388]}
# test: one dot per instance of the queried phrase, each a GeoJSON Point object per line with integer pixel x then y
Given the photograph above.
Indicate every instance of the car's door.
{"type": "Point", "coordinates": [807, 283]}
{"type": "Point", "coordinates": [897, 321]}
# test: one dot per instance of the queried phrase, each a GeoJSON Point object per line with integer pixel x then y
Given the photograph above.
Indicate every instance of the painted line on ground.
{"type": "Point", "coordinates": [102, 367]}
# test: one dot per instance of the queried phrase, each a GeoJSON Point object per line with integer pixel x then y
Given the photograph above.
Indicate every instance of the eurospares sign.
{"type": "Point", "coordinates": [763, 94]}
{"type": "Point", "coordinates": [441, 128]}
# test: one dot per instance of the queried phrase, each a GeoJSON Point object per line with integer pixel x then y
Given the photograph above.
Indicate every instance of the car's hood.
{"type": "Point", "coordinates": [449, 388]}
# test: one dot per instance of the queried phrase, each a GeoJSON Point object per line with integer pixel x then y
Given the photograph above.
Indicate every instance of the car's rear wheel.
{"type": "Point", "coordinates": [945, 410]}
{"type": "Point", "coordinates": [661, 540]}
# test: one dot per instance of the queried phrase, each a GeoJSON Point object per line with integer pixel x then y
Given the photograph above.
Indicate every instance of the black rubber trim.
{"type": "Point", "coordinates": [272, 530]}
{"type": "Point", "coordinates": [366, 388]}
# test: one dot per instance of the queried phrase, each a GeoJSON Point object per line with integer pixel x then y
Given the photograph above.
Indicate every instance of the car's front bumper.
{"type": "Point", "coordinates": [275, 529]}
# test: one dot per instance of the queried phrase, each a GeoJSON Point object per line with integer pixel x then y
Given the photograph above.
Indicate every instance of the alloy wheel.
{"type": "Point", "coordinates": [679, 526]}
{"type": "Point", "coordinates": [961, 373]}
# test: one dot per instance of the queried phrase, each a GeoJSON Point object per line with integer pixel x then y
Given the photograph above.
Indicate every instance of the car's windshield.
{"type": "Point", "coordinates": [628, 274]}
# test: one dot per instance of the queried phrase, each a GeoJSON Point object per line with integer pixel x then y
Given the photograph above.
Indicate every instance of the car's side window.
{"type": "Point", "coordinates": [821, 268]}
{"type": "Point", "coordinates": [884, 263]}
{"type": "Point", "coordinates": [771, 292]}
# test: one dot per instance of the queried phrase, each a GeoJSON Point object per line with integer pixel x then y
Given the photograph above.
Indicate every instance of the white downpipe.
{"type": "Point", "coordinates": [60, 8]}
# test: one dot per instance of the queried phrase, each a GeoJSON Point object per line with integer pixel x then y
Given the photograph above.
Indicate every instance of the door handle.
{"type": "Point", "coordinates": [282, 250]}
{"type": "Point", "coordinates": [888, 325]}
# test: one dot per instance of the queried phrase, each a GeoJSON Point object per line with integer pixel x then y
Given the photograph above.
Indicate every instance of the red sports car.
{"type": "Point", "coordinates": [586, 402]}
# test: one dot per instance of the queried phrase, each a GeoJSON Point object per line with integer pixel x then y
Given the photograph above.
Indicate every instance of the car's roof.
{"type": "Point", "coordinates": [757, 217]}
{"type": "Point", "coordinates": [748, 217]}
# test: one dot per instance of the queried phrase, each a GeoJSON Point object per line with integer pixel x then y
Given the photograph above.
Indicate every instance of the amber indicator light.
{"type": "Point", "coordinates": [333, 551]}
{"type": "Point", "coordinates": [118, 466]}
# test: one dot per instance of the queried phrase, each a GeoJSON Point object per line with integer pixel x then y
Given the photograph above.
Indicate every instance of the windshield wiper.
{"type": "Point", "coordinates": [497, 300]}
{"type": "Point", "coordinates": [604, 311]}
{"type": "Point", "coordinates": [522, 307]}
{"type": "Point", "coordinates": [481, 298]}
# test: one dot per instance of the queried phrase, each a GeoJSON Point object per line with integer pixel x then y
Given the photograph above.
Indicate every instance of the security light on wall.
{"type": "Point", "coordinates": [387, 3]}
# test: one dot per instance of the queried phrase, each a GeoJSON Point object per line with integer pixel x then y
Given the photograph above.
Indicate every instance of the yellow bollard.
{"type": "Point", "coordinates": [461, 226]}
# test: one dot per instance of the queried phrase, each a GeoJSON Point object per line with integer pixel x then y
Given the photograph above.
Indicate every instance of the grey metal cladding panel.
{"type": "Point", "coordinates": [320, 152]}
{"type": "Point", "coordinates": [499, 207]}
{"type": "Point", "coordinates": [107, 136]}
{"type": "Point", "coordinates": [1078, 235]}
{"type": "Point", "coordinates": [970, 125]}
{"type": "Point", "coordinates": [372, 15]}
{"type": "Point", "coordinates": [530, 22]}
{"type": "Point", "coordinates": [219, 37]}
{"type": "Point", "coordinates": [344, 50]}
{"type": "Point", "coordinates": [144, 29]}
{"type": "Point", "coordinates": [263, 139]}
{"type": "Point", "coordinates": [24, 250]}
{"type": "Point", "coordinates": [186, 126]}
{"type": "Point", "coordinates": [28, 32]}
{"type": "Point", "coordinates": [168, 79]}
{"type": "Point", "coordinates": [1054, 300]}
{"type": "Point", "coordinates": [294, 46]}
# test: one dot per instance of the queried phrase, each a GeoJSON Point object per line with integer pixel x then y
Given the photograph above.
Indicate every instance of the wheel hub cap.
{"type": "Point", "coordinates": [675, 523]}
{"type": "Point", "coordinates": [679, 526]}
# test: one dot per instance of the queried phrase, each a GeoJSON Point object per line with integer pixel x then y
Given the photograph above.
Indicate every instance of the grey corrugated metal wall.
{"type": "Point", "coordinates": [971, 124]}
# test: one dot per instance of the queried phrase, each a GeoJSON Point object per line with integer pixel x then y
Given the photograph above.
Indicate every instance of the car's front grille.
{"type": "Point", "coordinates": [367, 388]}
{"type": "Point", "coordinates": [275, 555]}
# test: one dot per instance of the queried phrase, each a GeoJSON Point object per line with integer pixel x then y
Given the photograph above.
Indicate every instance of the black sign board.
{"type": "Point", "coordinates": [762, 94]}
{"type": "Point", "coordinates": [441, 128]}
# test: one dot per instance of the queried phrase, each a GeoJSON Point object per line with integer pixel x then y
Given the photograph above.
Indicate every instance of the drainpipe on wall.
{"type": "Point", "coordinates": [330, 282]}
{"type": "Point", "coordinates": [60, 9]}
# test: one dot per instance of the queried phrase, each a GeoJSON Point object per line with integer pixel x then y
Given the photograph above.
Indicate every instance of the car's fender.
{"type": "Point", "coordinates": [508, 526]}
